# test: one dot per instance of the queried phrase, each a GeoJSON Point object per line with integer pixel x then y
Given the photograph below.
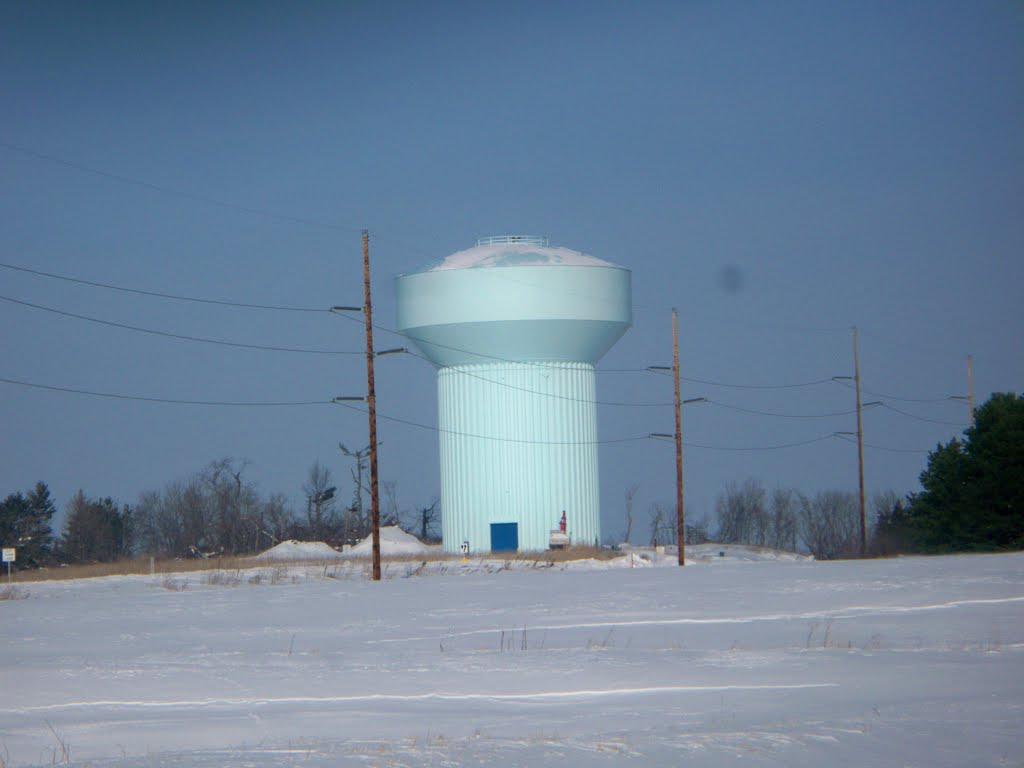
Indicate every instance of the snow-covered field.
{"type": "Point", "coordinates": [906, 662]}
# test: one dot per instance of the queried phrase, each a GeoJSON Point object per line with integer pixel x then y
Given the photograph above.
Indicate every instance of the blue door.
{"type": "Point", "coordinates": [504, 537]}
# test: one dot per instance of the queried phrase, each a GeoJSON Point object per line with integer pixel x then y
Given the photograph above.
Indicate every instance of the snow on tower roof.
{"type": "Point", "coordinates": [517, 251]}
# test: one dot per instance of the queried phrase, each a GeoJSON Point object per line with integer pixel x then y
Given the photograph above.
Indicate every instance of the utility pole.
{"type": "Point", "coordinates": [970, 389]}
{"type": "Point", "coordinates": [860, 450]}
{"type": "Point", "coordinates": [680, 513]}
{"type": "Point", "coordinates": [371, 401]}
{"type": "Point", "coordinates": [680, 516]}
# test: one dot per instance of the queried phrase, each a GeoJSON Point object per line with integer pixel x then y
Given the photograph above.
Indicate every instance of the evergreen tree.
{"type": "Point", "coordinates": [995, 471]}
{"type": "Point", "coordinates": [973, 497]}
{"type": "Point", "coordinates": [95, 530]}
{"type": "Point", "coordinates": [39, 528]}
{"type": "Point", "coordinates": [25, 525]}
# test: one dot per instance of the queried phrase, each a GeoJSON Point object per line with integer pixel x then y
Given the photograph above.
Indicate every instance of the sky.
{"type": "Point", "coordinates": [778, 172]}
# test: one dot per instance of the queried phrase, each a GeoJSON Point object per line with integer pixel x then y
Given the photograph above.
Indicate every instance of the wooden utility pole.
{"type": "Point", "coordinates": [970, 390]}
{"type": "Point", "coordinates": [680, 516]}
{"type": "Point", "coordinates": [860, 451]}
{"type": "Point", "coordinates": [371, 401]}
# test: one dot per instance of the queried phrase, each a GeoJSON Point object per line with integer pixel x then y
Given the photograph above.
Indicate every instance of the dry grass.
{"type": "Point", "coordinates": [140, 566]}
{"type": "Point", "coordinates": [567, 555]}
{"type": "Point", "coordinates": [135, 567]}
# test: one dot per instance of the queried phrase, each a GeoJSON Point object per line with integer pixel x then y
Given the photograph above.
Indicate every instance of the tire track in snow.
{"type": "Point", "coordinates": [413, 697]}
{"type": "Point", "coordinates": [850, 612]}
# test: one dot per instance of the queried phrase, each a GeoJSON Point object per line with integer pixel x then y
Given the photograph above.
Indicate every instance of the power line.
{"type": "Point", "coordinates": [922, 418]}
{"type": "Point", "coordinates": [157, 294]}
{"type": "Point", "coordinates": [281, 404]}
{"type": "Point", "coordinates": [495, 358]}
{"type": "Point", "coordinates": [778, 447]}
{"type": "Point", "coordinates": [456, 433]}
{"type": "Point", "coordinates": [782, 415]}
{"type": "Point", "coordinates": [176, 192]}
{"type": "Point", "coordinates": [406, 422]}
{"type": "Point", "coordinates": [195, 197]}
{"type": "Point", "coordinates": [894, 397]}
{"type": "Point", "coordinates": [184, 337]}
{"type": "Point", "coordinates": [592, 442]}
{"type": "Point", "coordinates": [414, 340]}
{"type": "Point", "coordinates": [115, 396]}
{"type": "Point", "coordinates": [882, 447]}
{"type": "Point", "coordinates": [546, 394]}
{"type": "Point", "coordinates": [815, 382]}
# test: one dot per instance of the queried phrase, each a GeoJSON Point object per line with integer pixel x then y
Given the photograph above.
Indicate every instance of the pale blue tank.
{"type": "Point", "coordinates": [515, 327]}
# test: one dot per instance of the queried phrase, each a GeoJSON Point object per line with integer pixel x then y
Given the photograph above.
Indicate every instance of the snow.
{"type": "Point", "coordinates": [518, 255]}
{"type": "Point", "coordinates": [750, 656]}
{"type": "Point", "coordinates": [393, 541]}
{"type": "Point", "coordinates": [299, 550]}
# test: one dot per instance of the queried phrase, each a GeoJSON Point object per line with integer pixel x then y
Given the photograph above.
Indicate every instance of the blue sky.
{"type": "Point", "coordinates": [850, 163]}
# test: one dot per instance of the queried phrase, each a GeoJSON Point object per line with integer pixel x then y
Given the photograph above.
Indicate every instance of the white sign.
{"type": "Point", "coordinates": [8, 555]}
{"type": "Point", "coordinates": [464, 547]}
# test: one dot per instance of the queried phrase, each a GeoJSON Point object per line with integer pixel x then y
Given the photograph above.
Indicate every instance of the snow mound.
{"type": "Point", "coordinates": [393, 541]}
{"type": "Point", "coordinates": [299, 550]}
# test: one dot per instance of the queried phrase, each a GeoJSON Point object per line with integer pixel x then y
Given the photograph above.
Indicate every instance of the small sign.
{"type": "Point", "coordinates": [464, 547]}
{"type": "Point", "coordinates": [9, 555]}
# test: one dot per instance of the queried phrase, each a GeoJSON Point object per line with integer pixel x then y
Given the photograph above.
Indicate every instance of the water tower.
{"type": "Point", "coordinates": [515, 327]}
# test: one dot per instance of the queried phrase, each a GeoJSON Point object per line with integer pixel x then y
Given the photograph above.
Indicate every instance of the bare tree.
{"type": "Point", "coordinates": [215, 510]}
{"type": "Point", "coordinates": [320, 498]}
{"type": "Point", "coordinates": [390, 514]}
{"type": "Point", "coordinates": [664, 525]}
{"type": "Point", "coordinates": [275, 519]}
{"type": "Point", "coordinates": [630, 493]}
{"type": "Point", "coordinates": [426, 520]}
{"type": "Point", "coordinates": [742, 515]}
{"type": "Point", "coordinates": [356, 525]}
{"type": "Point", "coordinates": [697, 532]}
{"type": "Point", "coordinates": [830, 524]}
{"type": "Point", "coordinates": [233, 506]}
{"type": "Point", "coordinates": [782, 532]}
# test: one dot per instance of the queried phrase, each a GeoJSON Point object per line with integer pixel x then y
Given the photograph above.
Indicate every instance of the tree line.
{"type": "Point", "coordinates": [972, 499]}
{"type": "Point", "coordinates": [216, 511]}
{"type": "Point", "coordinates": [827, 524]}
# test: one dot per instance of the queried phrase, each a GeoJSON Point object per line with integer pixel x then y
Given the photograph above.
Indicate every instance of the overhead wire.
{"type": "Point", "coordinates": [408, 422]}
{"type": "Point", "coordinates": [199, 198]}
{"type": "Point", "coordinates": [163, 189]}
{"type": "Point", "coordinates": [797, 385]}
{"type": "Point", "coordinates": [778, 447]}
{"type": "Point", "coordinates": [556, 396]}
{"type": "Point", "coordinates": [894, 397]}
{"type": "Point", "coordinates": [497, 359]}
{"type": "Point", "coordinates": [882, 447]}
{"type": "Point", "coordinates": [457, 433]}
{"type": "Point", "coordinates": [165, 400]}
{"type": "Point", "coordinates": [220, 302]}
{"type": "Point", "coordinates": [158, 294]}
{"type": "Point", "coordinates": [339, 227]}
{"type": "Point", "coordinates": [782, 415]}
{"type": "Point", "coordinates": [181, 336]}
{"type": "Point", "coordinates": [922, 418]}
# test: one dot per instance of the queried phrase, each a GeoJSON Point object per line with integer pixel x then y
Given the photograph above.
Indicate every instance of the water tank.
{"type": "Point", "coordinates": [515, 327]}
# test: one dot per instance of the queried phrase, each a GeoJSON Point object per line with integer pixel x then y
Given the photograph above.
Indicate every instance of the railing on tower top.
{"type": "Point", "coordinates": [508, 239]}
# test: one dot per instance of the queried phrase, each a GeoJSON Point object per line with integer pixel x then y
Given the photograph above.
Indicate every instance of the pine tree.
{"type": "Point", "coordinates": [973, 497]}
{"type": "Point", "coordinates": [95, 530]}
{"type": "Point", "coordinates": [25, 525]}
